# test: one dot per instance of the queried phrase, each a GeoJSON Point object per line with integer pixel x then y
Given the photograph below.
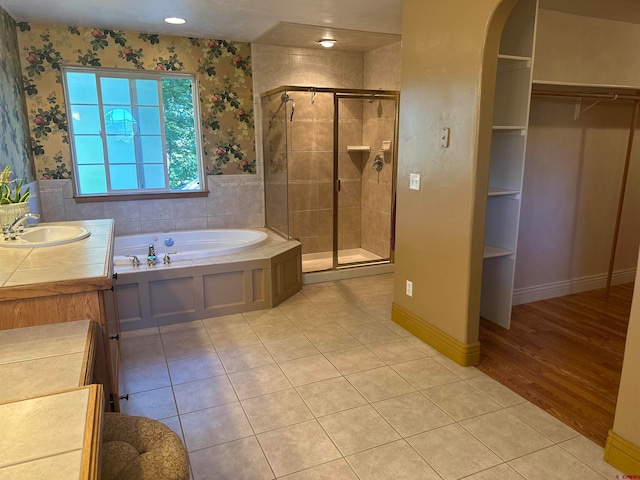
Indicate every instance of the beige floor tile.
{"type": "Point", "coordinates": [505, 434]}
{"type": "Point", "coordinates": [213, 426]}
{"type": "Point", "coordinates": [244, 358]}
{"type": "Point", "coordinates": [553, 463]}
{"type": "Point", "coordinates": [453, 452]}
{"type": "Point", "coordinates": [425, 373]}
{"type": "Point", "coordinates": [205, 393]}
{"type": "Point", "coordinates": [297, 447]}
{"type": "Point", "coordinates": [371, 332]}
{"type": "Point", "coordinates": [500, 472]}
{"type": "Point", "coordinates": [135, 356]}
{"type": "Point", "coordinates": [264, 316]}
{"type": "Point", "coordinates": [591, 454]}
{"type": "Point", "coordinates": [380, 384]}
{"type": "Point", "coordinates": [179, 327]}
{"type": "Point", "coordinates": [331, 340]}
{"type": "Point", "coordinates": [358, 429]}
{"type": "Point", "coordinates": [396, 351]}
{"type": "Point", "coordinates": [460, 400]}
{"type": "Point", "coordinates": [154, 404]}
{"type": "Point", "coordinates": [496, 391]}
{"type": "Point", "coordinates": [380, 311]}
{"type": "Point", "coordinates": [420, 345]}
{"type": "Point", "coordinates": [193, 332]}
{"type": "Point", "coordinates": [353, 360]}
{"type": "Point", "coordinates": [462, 372]}
{"type": "Point", "coordinates": [174, 424]}
{"type": "Point", "coordinates": [291, 348]}
{"type": "Point", "coordinates": [189, 348]}
{"type": "Point", "coordinates": [395, 328]}
{"type": "Point", "coordinates": [301, 311]}
{"type": "Point", "coordinates": [144, 378]}
{"type": "Point", "coordinates": [394, 460]}
{"type": "Point", "coordinates": [412, 414]}
{"type": "Point", "coordinates": [195, 368]}
{"type": "Point", "coordinates": [276, 330]}
{"type": "Point", "coordinates": [545, 423]}
{"type": "Point", "coordinates": [235, 337]}
{"type": "Point", "coordinates": [224, 322]}
{"type": "Point", "coordinates": [276, 410]}
{"type": "Point", "coordinates": [308, 370]}
{"type": "Point", "coordinates": [330, 396]}
{"type": "Point", "coordinates": [259, 381]}
{"type": "Point", "coordinates": [317, 324]}
{"type": "Point", "coordinates": [351, 316]}
{"type": "Point", "coordinates": [336, 470]}
{"type": "Point", "coordinates": [141, 337]}
{"type": "Point", "coordinates": [238, 460]}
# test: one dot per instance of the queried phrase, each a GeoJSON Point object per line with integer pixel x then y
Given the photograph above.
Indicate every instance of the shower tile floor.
{"type": "Point", "coordinates": [316, 262]}
{"type": "Point", "coordinates": [326, 386]}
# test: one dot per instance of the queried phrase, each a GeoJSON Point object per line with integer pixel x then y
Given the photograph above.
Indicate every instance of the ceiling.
{"type": "Point", "coordinates": [269, 21]}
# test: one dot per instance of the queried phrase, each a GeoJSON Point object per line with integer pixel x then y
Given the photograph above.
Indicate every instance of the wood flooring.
{"type": "Point", "coordinates": [564, 355]}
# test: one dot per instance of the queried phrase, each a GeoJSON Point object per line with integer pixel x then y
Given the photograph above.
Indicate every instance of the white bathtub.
{"type": "Point", "coordinates": [188, 245]}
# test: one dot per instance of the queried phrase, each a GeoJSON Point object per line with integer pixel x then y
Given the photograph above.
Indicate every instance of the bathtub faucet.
{"type": "Point", "coordinates": [151, 257]}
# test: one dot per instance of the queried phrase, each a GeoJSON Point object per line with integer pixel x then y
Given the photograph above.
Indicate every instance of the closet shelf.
{"type": "Point", "coordinates": [494, 252]}
{"type": "Point", "coordinates": [509, 127]}
{"type": "Point", "coordinates": [496, 192]}
{"type": "Point", "coordinates": [514, 58]}
{"type": "Point", "coordinates": [358, 148]}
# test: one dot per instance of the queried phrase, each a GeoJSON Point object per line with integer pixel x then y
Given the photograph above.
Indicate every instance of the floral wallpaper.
{"type": "Point", "coordinates": [14, 133]}
{"type": "Point", "coordinates": [224, 76]}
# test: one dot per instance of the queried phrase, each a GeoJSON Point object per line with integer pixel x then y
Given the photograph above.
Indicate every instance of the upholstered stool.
{"type": "Point", "coordinates": [138, 448]}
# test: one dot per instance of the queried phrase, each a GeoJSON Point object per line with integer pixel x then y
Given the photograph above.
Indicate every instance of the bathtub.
{"type": "Point", "coordinates": [186, 245]}
{"type": "Point", "coordinates": [214, 273]}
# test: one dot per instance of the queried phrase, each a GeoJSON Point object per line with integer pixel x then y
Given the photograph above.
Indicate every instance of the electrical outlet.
{"type": "Point", "coordinates": [414, 181]}
{"type": "Point", "coordinates": [409, 288]}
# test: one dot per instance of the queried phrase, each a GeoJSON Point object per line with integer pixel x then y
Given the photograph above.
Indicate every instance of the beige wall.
{"type": "Point", "coordinates": [572, 180]}
{"type": "Point", "coordinates": [439, 240]}
{"type": "Point", "coordinates": [570, 48]}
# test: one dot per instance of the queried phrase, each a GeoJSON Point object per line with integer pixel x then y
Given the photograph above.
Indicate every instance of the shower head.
{"type": "Point", "coordinates": [286, 98]}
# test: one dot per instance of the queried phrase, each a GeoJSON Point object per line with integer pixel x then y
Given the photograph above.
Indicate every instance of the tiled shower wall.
{"type": "Point", "coordinates": [309, 135]}
{"type": "Point", "coordinates": [381, 70]}
{"type": "Point", "coordinates": [234, 201]}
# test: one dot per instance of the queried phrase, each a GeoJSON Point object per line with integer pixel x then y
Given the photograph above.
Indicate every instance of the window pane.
{"type": "Point", "coordinates": [91, 179]}
{"type": "Point", "coordinates": [115, 91]}
{"type": "Point", "coordinates": [121, 149]}
{"type": "Point", "coordinates": [123, 177]}
{"type": "Point", "coordinates": [82, 88]}
{"type": "Point", "coordinates": [149, 120]}
{"type": "Point", "coordinates": [154, 176]}
{"type": "Point", "coordinates": [88, 149]}
{"type": "Point", "coordinates": [151, 149]}
{"type": "Point", "coordinates": [85, 119]}
{"type": "Point", "coordinates": [147, 92]}
{"type": "Point", "coordinates": [119, 121]}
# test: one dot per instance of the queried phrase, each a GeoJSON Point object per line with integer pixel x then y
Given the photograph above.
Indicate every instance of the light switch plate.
{"type": "Point", "coordinates": [414, 181]}
{"type": "Point", "coordinates": [444, 138]}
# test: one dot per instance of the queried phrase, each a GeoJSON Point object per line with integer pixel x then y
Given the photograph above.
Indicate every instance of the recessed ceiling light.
{"type": "Point", "coordinates": [327, 42]}
{"type": "Point", "coordinates": [175, 20]}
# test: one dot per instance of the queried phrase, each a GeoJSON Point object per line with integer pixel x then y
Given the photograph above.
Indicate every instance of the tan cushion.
{"type": "Point", "coordinates": [138, 448]}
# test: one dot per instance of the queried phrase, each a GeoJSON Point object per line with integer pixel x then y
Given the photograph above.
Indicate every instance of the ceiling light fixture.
{"type": "Point", "coordinates": [175, 20]}
{"type": "Point", "coordinates": [327, 42]}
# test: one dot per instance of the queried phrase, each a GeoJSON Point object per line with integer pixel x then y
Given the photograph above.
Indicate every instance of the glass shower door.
{"type": "Point", "coordinates": [365, 169]}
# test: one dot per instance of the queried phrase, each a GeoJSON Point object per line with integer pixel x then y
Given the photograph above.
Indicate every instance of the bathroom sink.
{"type": "Point", "coordinates": [47, 236]}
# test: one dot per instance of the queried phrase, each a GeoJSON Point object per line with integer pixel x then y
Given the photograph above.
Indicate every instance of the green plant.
{"type": "Point", "coordinates": [12, 191]}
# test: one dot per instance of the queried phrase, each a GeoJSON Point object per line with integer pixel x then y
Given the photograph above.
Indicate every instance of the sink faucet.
{"type": "Point", "coordinates": [10, 231]}
{"type": "Point", "coordinates": [151, 257]}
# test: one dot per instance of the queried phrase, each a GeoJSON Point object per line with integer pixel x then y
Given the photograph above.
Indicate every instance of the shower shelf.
{"type": "Point", "coordinates": [358, 148]}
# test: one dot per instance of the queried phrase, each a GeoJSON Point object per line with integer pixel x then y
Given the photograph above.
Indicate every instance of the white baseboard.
{"type": "Point", "coordinates": [567, 287]}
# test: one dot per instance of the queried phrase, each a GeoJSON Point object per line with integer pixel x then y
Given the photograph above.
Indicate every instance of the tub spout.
{"type": "Point", "coordinates": [151, 257]}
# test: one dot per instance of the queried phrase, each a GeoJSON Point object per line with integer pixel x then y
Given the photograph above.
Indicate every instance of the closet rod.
{"type": "Point", "coordinates": [603, 96]}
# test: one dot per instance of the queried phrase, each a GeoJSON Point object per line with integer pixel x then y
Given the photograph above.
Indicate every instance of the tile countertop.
{"type": "Point", "coordinates": [81, 266]}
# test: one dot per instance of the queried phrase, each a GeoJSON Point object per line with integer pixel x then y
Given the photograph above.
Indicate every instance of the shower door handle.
{"type": "Point", "coordinates": [338, 185]}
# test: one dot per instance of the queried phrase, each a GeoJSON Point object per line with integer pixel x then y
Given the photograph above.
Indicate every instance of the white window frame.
{"type": "Point", "coordinates": [100, 72]}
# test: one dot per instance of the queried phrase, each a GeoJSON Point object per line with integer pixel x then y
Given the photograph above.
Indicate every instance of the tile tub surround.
{"type": "Point", "coordinates": [298, 392]}
{"type": "Point", "coordinates": [234, 201]}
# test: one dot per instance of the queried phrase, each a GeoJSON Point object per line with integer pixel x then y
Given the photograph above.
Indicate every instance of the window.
{"type": "Point", "coordinates": [133, 132]}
